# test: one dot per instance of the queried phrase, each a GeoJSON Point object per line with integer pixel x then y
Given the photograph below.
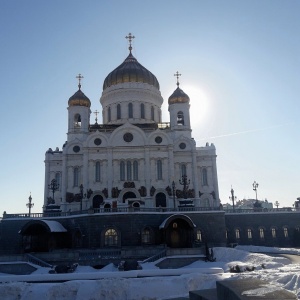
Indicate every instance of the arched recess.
{"type": "Point", "coordinates": [97, 201]}
{"type": "Point", "coordinates": [160, 200]}
{"type": "Point", "coordinates": [179, 231]}
{"type": "Point", "coordinates": [128, 194]}
{"type": "Point", "coordinates": [44, 236]}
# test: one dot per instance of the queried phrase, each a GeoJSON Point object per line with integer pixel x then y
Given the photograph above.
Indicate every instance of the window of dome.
{"type": "Point", "coordinates": [158, 139]}
{"type": "Point", "coordinates": [76, 149]}
{"type": "Point", "coordinates": [128, 137]}
{"type": "Point", "coordinates": [97, 141]}
{"type": "Point", "coordinates": [182, 146]}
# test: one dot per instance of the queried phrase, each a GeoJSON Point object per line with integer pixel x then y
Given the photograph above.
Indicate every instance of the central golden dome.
{"type": "Point", "coordinates": [130, 71]}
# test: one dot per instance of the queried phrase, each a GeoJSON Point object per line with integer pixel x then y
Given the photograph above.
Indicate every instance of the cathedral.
{"type": "Point", "coordinates": [133, 159]}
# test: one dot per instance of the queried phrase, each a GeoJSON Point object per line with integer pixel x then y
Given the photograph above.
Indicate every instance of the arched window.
{"type": "Point", "coordinates": [226, 234]}
{"type": "Point", "coordinates": [129, 177]}
{"type": "Point", "coordinates": [199, 236]}
{"type": "Point", "coordinates": [135, 170]}
{"type": "Point", "coordinates": [76, 176]}
{"type": "Point", "coordinates": [97, 172]}
{"type": "Point", "coordinates": [109, 114]}
{"type": "Point", "coordinates": [111, 237]}
{"type": "Point", "coordinates": [285, 232]}
{"type": "Point", "coordinates": [273, 231]}
{"type": "Point", "coordinates": [142, 111]}
{"type": "Point", "coordinates": [152, 113]}
{"type": "Point", "coordinates": [57, 179]}
{"type": "Point", "coordinates": [183, 169]}
{"type": "Point", "coordinates": [237, 234]}
{"type": "Point", "coordinates": [249, 233]}
{"type": "Point", "coordinates": [122, 171]}
{"type": "Point", "coordinates": [204, 176]}
{"type": "Point", "coordinates": [180, 118]}
{"type": "Point", "coordinates": [146, 236]}
{"type": "Point", "coordinates": [159, 169]}
{"type": "Point", "coordinates": [77, 121]}
{"type": "Point", "coordinates": [206, 202]}
{"type": "Point", "coordinates": [118, 111]}
{"type": "Point", "coordinates": [130, 110]}
{"type": "Point", "coordinates": [261, 233]}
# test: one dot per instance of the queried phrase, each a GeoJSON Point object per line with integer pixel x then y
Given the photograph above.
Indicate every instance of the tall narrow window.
{"type": "Point", "coordinates": [183, 169]}
{"type": "Point", "coordinates": [237, 234]}
{"type": "Point", "coordinates": [57, 179]}
{"type": "Point", "coordinates": [285, 232]}
{"type": "Point", "coordinates": [130, 110]}
{"type": "Point", "coordinates": [199, 236]}
{"type": "Point", "coordinates": [142, 111]}
{"type": "Point", "coordinates": [109, 114]}
{"type": "Point", "coordinates": [135, 170]}
{"type": "Point", "coordinates": [76, 176]}
{"type": "Point", "coordinates": [273, 231]}
{"type": "Point", "coordinates": [129, 177]}
{"type": "Point", "coordinates": [146, 236]}
{"type": "Point", "coordinates": [77, 121]}
{"type": "Point", "coordinates": [204, 177]}
{"type": "Point", "coordinates": [122, 171]}
{"type": "Point", "coordinates": [152, 113]}
{"type": "Point", "coordinates": [97, 172]}
{"type": "Point", "coordinates": [249, 232]}
{"type": "Point", "coordinates": [118, 111]}
{"type": "Point", "coordinates": [159, 169]}
{"type": "Point", "coordinates": [180, 118]}
{"type": "Point", "coordinates": [261, 233]}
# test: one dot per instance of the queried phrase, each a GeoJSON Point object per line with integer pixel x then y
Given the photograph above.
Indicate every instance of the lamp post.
{"type": "Point", "coordinates": [30, 204]}
{"type": "Point", "coordinates": [185, 184]}
{"type": "Point", "coordinates": [255, 186]}
{"type": "Point", "coordinates": [277, 204]}
{"type": "Point", "coordinates": [53, 186]}
{"type": "Point", "coordinates": [81, 195]}
{"type": "Point", "coordinates": [173, 189]}
{"type": "Point", "coordinates": [232, 198]}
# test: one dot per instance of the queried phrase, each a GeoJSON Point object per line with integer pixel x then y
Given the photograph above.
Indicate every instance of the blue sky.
{"type": "Point", "coordinates": [239, 61]}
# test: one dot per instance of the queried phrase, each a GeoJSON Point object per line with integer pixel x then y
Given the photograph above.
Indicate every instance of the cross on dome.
{"type": "Point", "coordinates": [96, 112]}
{"type": "Point", "coordinates": [130, 37]}
{"type": "Point", "coordinates": [177, 76]}
{"type": "Point", "coordinates": [79, 77]}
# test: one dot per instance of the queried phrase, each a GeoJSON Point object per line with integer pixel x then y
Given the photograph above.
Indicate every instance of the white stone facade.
{"type": "Point", "coordinates": [132, 158]}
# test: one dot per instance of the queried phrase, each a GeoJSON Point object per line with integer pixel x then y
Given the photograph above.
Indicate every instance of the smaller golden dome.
{"type": "Point", "coordinates": [179, 96]}
{"type": "Point", "coordinates": [79, 99]}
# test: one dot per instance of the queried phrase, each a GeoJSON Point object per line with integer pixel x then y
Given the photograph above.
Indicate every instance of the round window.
{"type": "Point", "coordinates": [97, 142]}
{"type": "Point", "coordinates": [182, 145]}
{"type": "Point", "coordinates": [128, 137]}
{"type": "Point", "coordinates": [76, 149]}
{"type": "Point", "coordinates": [158, 139]}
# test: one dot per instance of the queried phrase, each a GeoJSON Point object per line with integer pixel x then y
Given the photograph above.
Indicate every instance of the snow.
{"type": "Point", "coordinates": [154, 283]}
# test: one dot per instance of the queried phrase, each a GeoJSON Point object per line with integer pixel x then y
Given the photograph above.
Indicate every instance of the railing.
{"type": "Point", "coordinates": [146, 210]}
{"type": "Point", "coordinates": [155, 257]}
{"type": "Point", "coordinates": [32, 259]}
{"type": "Point", "coordinates": [98, 254]}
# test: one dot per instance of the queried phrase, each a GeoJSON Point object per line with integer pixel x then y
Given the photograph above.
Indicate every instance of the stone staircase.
{"type": "Point", "coordinates": [241, 289]}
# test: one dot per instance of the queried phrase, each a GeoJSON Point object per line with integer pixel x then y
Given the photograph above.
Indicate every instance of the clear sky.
{"type": "Point", "coordinates": [239, 61]}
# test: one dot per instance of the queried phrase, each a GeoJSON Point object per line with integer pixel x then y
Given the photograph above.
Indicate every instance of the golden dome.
{"type": "Point", "coordinates": [130, 71]}
{"type": "Point", "coordinates": [79, 99]}
{"type": "Point", "coordinates": [179, 96]}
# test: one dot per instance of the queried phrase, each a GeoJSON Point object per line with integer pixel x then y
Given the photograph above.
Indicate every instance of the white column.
{"type": "Point", "coordinates": [147, 170]}
{"type": "Point", "coordinates": [110, 173]}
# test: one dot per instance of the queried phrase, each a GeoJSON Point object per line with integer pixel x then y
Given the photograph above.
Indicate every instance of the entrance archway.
{"type": "Point", "coordinates": [178, 231]}
{"type": "Point", "coordinates": [128, 195]}
{"type": "Point", "coordinates": [160, 200]}
{"type": "Point", "coordinates": [97, 201]}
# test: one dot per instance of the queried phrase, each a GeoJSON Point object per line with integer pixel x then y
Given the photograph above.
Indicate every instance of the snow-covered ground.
{"type": "Point", "coordinates": [112, 284]}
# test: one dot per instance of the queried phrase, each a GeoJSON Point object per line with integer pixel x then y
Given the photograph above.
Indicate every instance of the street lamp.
{"type": "Point", "coordinates": [185, 184]}
{"type": "Point", "coordinates": [232, 198]}
{"type": "Point", "coordinates": [81, 195]}
{"type": "Point", "coordinates": [277, 204]}
{"type": "Point", "coordinates": [255, 186]}
{"type": "Point", "coordinates": [30, 204]}
{"type": "Point", "coordinates": [173, 189]}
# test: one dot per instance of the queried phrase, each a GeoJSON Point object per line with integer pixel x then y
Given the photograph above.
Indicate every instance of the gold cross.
{"type": "Point", "coordinates": [79, 77]}
{"type": "Point", "coordinates": [130, 37]}
{"type": "Point", "coordinates": [177, 76]}
{"type": "Point", "coordinates": [96, 112]}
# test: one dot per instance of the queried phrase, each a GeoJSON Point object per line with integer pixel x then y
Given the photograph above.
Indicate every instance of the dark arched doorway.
{"type": "Point", "coordinates": [160, 200]}
{"type": "Point", "coordinates": [178, 231]}
{"type": "Point", "coordinates": [128, 195]}
{"type": "Point", "coordinates": [97, 201]}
